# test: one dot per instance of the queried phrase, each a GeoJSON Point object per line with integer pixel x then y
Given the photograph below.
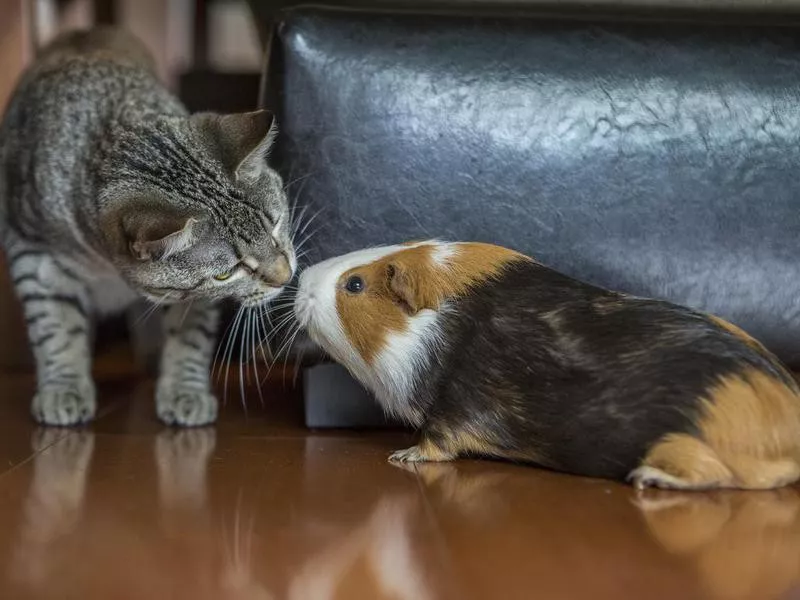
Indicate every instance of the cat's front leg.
{"type": "Point", "coordinates": [57, 311]}
{"type": "Point", "coordinates": [183, 392]}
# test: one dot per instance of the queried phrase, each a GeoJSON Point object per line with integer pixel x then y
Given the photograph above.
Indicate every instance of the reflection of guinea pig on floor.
{"type": "Point", "coordinates": [492, 354]}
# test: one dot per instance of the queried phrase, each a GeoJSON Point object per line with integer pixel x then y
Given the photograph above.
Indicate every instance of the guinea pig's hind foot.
{"type": "Point", "coordinates": [681, 462]}
{"type": "Point", "coordinates": [645, 477]}
{"type": "Point", "coordinates": [424, 452]}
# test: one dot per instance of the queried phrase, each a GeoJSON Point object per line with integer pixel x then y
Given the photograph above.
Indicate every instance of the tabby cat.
{"type": "Point", "coordinates": [110, 191]}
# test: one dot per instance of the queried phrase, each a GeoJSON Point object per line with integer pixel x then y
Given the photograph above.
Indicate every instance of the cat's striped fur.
{"type": "Point", "coordinates": [110, 191]}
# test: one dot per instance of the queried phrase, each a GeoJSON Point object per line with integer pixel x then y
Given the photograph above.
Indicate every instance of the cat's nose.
{"type": "Point", "coordinates": [278, 273]}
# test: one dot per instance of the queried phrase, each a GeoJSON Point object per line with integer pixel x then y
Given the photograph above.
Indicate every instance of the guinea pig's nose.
{"type": "Point", "coordinates": [278, 273]}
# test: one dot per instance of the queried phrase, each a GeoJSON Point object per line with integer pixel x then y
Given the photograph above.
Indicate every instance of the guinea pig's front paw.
{"type": "Point", "coordinates": [189, 408]}
{"type": "Point", "coordinates": [408, 455]}
{"type": "Point", "coordinates": [419, 453]}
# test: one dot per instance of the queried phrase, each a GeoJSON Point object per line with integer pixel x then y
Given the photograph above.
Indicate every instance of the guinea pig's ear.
{"type": "Point", "coordinates": [408, 289]}
{"type": "Point", "coordinates": [158, 234]}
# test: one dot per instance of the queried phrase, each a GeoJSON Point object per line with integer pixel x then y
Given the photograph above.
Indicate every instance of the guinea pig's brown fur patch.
{"type": "Point", "coordinates": [421, 281]}
{"type": "Point", "coordinates": [738, 332]}
{"type": "Point", "coordinates": [747, 437]}
{"type": "Point", "coordinates": [410, 280]}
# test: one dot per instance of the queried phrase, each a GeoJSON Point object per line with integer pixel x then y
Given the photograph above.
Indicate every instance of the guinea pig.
{"type": "Point", "coordinates": [491, 354]}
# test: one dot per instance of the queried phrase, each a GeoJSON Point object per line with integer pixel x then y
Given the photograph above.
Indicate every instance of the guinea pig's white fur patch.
{"type": "Point", "coordinates": [406, 354]}
{"type": "Point", "coordinates": [390, 376]}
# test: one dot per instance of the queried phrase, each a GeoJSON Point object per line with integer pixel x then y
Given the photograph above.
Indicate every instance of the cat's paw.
{"type": "Point", "coordinates": [64, 405]}
{"type": "Point", "coordinates": [190, 408]}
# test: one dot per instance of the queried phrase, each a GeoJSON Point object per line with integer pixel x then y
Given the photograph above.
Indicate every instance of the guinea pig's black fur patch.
{"type": "Point", "coordinates": [552, 370]}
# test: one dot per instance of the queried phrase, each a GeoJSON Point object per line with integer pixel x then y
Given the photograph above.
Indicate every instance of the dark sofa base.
{"type": "Point", "coordinates": [334, 399]}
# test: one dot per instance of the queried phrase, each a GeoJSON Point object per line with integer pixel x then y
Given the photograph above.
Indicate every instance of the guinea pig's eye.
{"type": "Point", "coordinates": [223, 276]}
{"type": "Point", "coordinates": [354, 285]}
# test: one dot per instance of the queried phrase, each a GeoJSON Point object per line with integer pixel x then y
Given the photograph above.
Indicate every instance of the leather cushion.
{"type": "Point", "coordinates": [660, 159]}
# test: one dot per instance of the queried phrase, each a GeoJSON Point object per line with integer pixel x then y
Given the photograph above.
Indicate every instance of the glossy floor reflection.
{"type": "Point", "coordinates": [260, 508]}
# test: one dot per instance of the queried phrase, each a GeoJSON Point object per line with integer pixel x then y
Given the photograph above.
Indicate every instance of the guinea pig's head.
{"type": "Point", "coordinates": [377, 311]}
{"type": "Point", "coordinates": [353, 304]}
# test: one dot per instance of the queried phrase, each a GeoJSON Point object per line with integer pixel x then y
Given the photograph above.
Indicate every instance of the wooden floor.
{"type": "Point", "coordinates": [260, 508]}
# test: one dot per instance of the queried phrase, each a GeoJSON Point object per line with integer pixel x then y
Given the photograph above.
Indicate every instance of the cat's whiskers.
{"type": "Point", "coordinates": [186, 312]}
{"type": "Point", "coordinates": [238, 553]}
{"type": "Point", "coordinates": [295, 218]}
{"type": "Point", "coordinates": [286, 345]}
{"type": "Point", "coordinates": [265, 328]}
{"type": "Point", "coordinates": [297, 180]}
{"type": "Point", "coordinates": [280, 325]}
{"type": "Point", "coordinates": [274, 335]}
{"type": "Point", "coordinates": [299, 248]}
{"type": "Point", "coordinates": [225, 338]}
{"type": "Point", "coordinates": [155, 305]}
{"type": "Point", "coordinates": [243, 357]}
{"type": "Point", "coordinates": [298, 365]}
{"type": "Point", "coordinates": [253, 344]}
{"type": "Point", "coordinates": [296, 200]}
{"type": "Point", "coordinates": [301, 231]}
{"type": "Point", "coordinates": [282, 305]}
{"type": "Point", "coordinates": [229, 353]}
{"type": "Point", "coordinates": [256, 345]}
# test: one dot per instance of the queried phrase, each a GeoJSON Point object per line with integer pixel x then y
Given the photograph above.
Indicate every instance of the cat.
{"type": "Point", "coordinates": [111, 191]}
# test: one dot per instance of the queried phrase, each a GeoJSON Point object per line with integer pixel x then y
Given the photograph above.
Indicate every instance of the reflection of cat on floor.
{"type": "Point", "coordinates": [55, 528]}
{"type": "Point", "coordinates": [743, 544]}
{"type": "Point", "coordinates": [55, 498]}
{"type": "Point", "coordinates": [182, 460]}
{"type": "Point", "coordinates": [389, 555]}
{"type": "Point", "coordinates": [182, 457]}
{"type": "Point", "coordinates": [375, 560]}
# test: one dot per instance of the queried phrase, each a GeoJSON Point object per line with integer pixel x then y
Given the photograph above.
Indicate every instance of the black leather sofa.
{"type": "Point", "coordinates": [654, 153]}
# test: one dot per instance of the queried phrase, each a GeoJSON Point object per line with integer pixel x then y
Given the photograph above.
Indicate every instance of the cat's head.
{"type": "Point", "coordinates": [191, 209]}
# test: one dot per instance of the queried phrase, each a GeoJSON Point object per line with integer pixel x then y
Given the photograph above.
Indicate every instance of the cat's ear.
{"type": "Point", "coordinates": [244, 140]}
{"type": "Point", "coordinates": [157, 234]}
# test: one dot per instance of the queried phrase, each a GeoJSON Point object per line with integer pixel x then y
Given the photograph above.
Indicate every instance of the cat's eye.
{"type": "Point", "coordinates": [354, 284]}
{"type": "Point", "coordinates": [223, 276]}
